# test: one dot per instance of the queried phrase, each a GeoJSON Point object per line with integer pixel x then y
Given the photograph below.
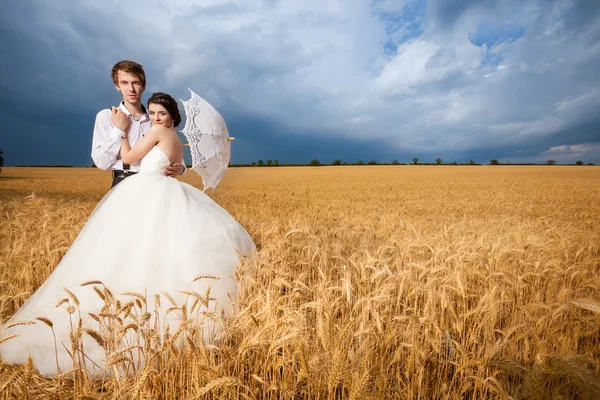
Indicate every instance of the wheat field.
{"type": "Point", "coordinates": [371, 282]}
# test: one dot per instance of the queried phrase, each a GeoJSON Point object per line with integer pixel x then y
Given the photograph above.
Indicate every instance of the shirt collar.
{"type": "Point", "coordinates": [126, 111]}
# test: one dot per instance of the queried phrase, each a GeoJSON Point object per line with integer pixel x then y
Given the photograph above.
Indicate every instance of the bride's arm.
{"type": "Point", "coordinates": [130, 155]}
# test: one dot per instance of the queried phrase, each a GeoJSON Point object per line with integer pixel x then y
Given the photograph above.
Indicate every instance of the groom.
{"type": "Point", "coordinates": [131, 117]}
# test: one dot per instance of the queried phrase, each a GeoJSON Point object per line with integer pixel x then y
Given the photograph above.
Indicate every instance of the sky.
{"type": "Point", "coordinates": [513, 80]}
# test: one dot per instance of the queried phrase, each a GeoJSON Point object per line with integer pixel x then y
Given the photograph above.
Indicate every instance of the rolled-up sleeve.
{"type": "Point", "coordinates": [106, 141]}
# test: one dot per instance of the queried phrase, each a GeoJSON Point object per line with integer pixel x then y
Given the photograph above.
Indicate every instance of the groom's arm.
{"type": "Point", "coordinates": [176, 169]}
{"type": "Point", "coordinates": [106, 142]}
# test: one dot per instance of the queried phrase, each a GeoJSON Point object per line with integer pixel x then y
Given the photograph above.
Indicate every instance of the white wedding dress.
{"type": "Point", "coordinates": [150, 234]}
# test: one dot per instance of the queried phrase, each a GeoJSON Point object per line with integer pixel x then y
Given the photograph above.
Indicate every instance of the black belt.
{"type": "Point", "coordinates": [119, 173]}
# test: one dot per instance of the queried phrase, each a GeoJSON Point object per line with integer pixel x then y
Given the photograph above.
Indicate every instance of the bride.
{"type": "Point", "coordinates": [147, 241]}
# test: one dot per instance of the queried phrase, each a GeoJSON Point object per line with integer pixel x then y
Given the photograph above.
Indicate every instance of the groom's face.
{"type": "Point", "coordinates": [130, 87]}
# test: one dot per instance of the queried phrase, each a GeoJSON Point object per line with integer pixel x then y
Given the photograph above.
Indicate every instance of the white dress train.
{"type": "Point", "coordinates": [150, 234]}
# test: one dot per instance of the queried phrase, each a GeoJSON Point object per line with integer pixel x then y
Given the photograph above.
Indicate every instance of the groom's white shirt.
{"type": "Point", "coordinates": [106, 142]}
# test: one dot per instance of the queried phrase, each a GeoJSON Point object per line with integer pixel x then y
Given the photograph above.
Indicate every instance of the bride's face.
{"type": "Point", "coordinates": [159, 115]}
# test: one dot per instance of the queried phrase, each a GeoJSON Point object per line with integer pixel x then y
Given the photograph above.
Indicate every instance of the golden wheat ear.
{"type": "Point", "coordinates": [72, 296]}
{"type": "Point", "coordinates": [96, 336]}
{"type": "Point", "coordinates": [198, 277]}
{"type": "Point", "coordinates": [92, 283]}
{"type": "Point", "coordinates": [137, 295]}
{"type": "Point", "coordinates": [6, 339]}
{"type": "Point", "coordinates": [168, 296]}
{"type": "Point", "coordinates": [19, 323]}
{"type": "Point", "coordinates": [45, 321]}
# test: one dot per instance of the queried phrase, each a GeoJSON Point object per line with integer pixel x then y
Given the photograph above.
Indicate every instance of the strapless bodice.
{"type": "Point", "coordinates": [154, 161]}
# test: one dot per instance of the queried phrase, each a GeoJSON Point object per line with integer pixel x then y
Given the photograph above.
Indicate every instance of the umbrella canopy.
{"type": "Point", "coordinates": [208, 139]}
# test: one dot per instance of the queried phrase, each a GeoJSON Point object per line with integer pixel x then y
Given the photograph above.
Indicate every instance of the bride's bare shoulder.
{"type": "Point", "coordinates": [160, 130]}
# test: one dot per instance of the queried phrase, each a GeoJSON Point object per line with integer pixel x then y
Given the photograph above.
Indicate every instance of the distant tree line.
{"type": "Point", "coordinates": [315, 162]}
{"type": "Point", "coordinates": [415, 161]}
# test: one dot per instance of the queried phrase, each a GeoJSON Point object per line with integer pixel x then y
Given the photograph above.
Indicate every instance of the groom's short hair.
{"type": "Point", "coordinates": [131, 67]}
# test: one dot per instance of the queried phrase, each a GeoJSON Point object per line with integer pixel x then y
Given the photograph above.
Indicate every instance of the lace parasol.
{"type": "Point", "coordinates": [208, 140]}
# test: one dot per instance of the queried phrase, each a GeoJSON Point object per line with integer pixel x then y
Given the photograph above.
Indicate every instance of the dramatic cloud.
{"type": "Point", "coordinates": [383, 79]}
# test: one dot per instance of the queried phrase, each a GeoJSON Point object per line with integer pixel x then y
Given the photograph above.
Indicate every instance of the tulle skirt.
{"type": "Point", "coordinates": [155, 252]}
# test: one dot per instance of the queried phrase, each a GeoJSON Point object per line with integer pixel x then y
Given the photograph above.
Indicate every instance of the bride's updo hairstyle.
{"type": "Point", "coordinates": [169, 103]}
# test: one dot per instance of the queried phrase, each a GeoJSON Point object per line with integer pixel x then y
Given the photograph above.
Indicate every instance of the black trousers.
{"type": "Point", "coordinates": [119, 175]}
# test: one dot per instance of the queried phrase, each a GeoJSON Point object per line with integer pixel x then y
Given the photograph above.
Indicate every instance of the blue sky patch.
{"type": "Point", "coordinates": [403, 25]}
{"type": "Point", "coordinates": [492, 34]}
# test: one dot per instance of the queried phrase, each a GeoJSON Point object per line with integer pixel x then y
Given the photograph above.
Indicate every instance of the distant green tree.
{"type": "Point", "coordinates": [471, 162]}
{"type": "Point", "coordinates": [395, 162]}
{"type": "Point", "coordinates": [269, 163]}
{"type": "Point", "coordinates": [415, 161]}
{"type": "Point", "coordinates": [372, 162]}
{"type": "Point", "coordinates": [550, 162]}
{"type": "Point", "coordinates": [360, 162]}
{"type": "Point", "coordinates": [253, 164]}
{"type": "Point", "coordinates": [1, 160]}
{"type": "Point", "coordinates": [336, 162]}
{"type": "Point", "coordinates": [344, 163]}
{"type": "Point", "coordinates": [276, 162]}
{"type": "Point", "coordinates": [453, 163]}
{"type": "Point", "coordinates": [260, 163]}
{"type": "Point", "coordinates": [314, 161]}
{"type": "Point", "coordinates": [494, 162]}
{"type": "Point", "coordinates": [438, 161]}
{"type": "Point", "coordinates": [578, 162]}
{"type": "Point", "coordinates": [591, 163]}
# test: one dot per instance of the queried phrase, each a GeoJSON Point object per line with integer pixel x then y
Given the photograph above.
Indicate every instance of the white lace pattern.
{"type": "Point", "coordinates": [208, 138]}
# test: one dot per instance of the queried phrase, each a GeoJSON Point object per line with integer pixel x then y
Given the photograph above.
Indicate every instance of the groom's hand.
{"type": "Point", "coordinates": [120, 119]}
{"type": "Point", "coordinates": [173, 170]}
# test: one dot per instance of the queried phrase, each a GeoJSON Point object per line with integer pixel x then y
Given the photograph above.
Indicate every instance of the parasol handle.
{"type": "Point", "coordinates": [231, 139]}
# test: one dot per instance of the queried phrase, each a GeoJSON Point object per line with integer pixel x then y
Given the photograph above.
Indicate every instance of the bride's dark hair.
{"type": "Point", "coordinates": [169, 103]}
